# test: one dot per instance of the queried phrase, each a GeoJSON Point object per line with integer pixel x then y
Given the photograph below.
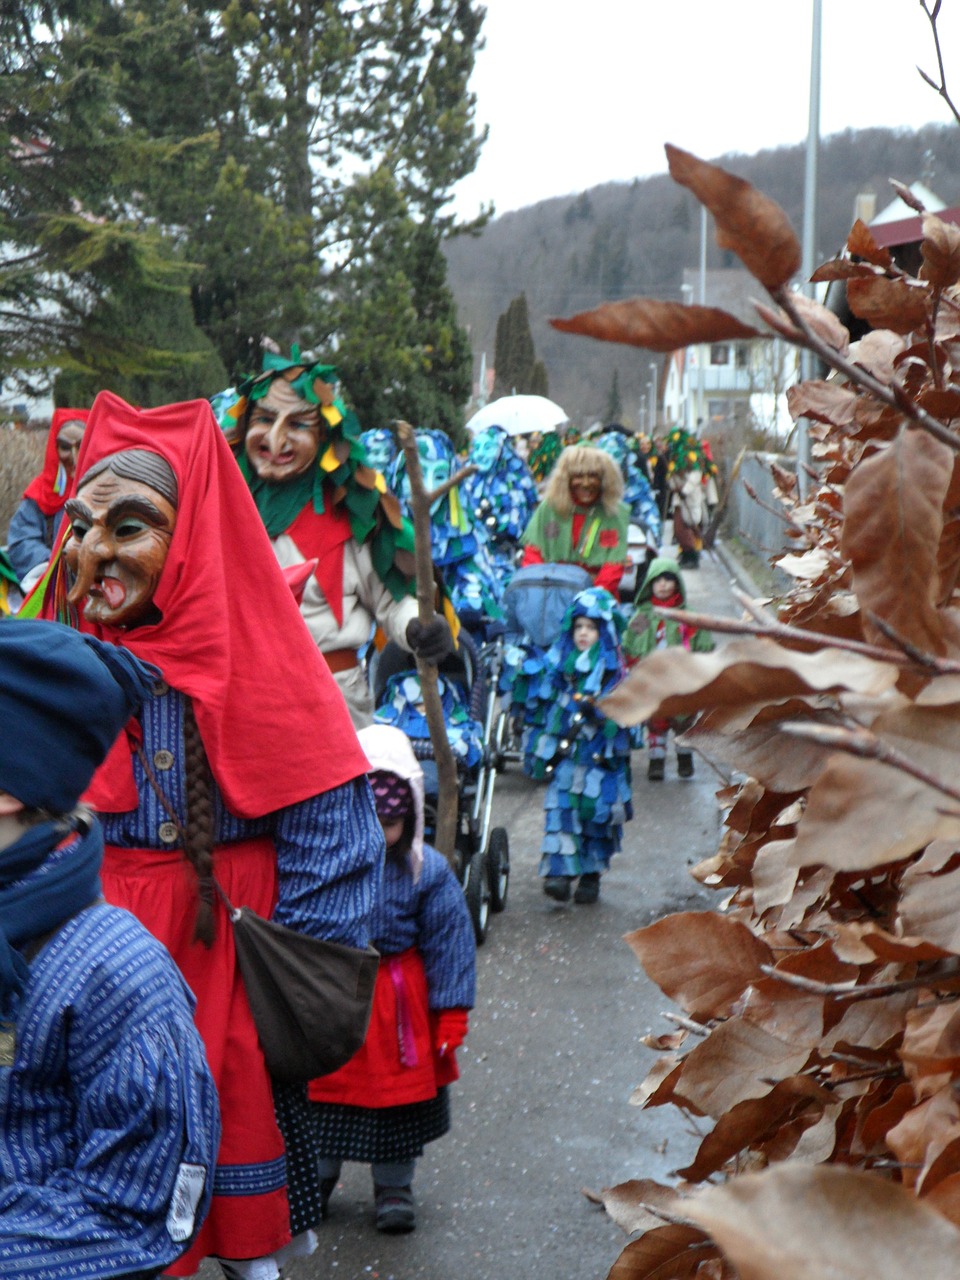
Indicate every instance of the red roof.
{"type": "Point", "coordinates": [889, 235]}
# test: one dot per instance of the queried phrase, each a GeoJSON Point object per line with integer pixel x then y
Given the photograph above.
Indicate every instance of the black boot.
{"type": "Point", "coordinates": [588, 890]}
{"type": "Point", "coordinates": [558, 887]}
{"type": "Point", "coordinates": [684, 764]}
{"type": "Point", "coordinates": [655, 770]}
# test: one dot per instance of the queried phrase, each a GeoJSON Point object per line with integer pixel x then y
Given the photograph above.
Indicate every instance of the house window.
{"type": "Point", "coordinates": [716, 409]}
{"type": "Point", "coordinates": [742, 355]}
{"type": "Point", "coordinates": [720, 353]}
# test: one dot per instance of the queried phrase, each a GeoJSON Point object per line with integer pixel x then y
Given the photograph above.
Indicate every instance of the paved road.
{"type": "Point", "coordinates": [541, 1110]}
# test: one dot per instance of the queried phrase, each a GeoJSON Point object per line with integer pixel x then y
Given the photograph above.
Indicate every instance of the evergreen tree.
{"type": "Point", "coordinates": [268, 141]}
{"type": "Point", "coordinates": [70, 219]}
{"type": "Point", "coordinates": [515, 359]}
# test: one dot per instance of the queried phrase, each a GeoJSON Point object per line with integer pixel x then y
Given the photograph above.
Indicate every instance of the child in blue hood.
{"type": "Point", "coordinates": [583, 754]}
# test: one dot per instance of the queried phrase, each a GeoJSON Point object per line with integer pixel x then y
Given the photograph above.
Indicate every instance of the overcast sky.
{"type": "Point", "coordinates": [580, 92]}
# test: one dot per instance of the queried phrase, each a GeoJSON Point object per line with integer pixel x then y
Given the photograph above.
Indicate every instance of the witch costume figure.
{"type": "Point", "coordinates": [459, 544]}
{"type": "Point", "coordinates": [36, 521]}
{"type": "Point", "coordinates": [299, 451]}
{"type": "Point", "coordinates": [584, 755]}
{"type": "Point", "coordinates": [502, 494]}
{"type": "Point", "coordinates": [241, 773]}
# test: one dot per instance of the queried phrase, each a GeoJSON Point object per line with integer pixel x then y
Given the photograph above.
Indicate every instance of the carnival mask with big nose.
{"type": "Point", "coordinates": [283, 434]}
{"type": "Point", "coordinates": [68, 442]}
{"type": "Point", "coordinates": [122, 520]}
{"type": "Point", "coordinates": [585, 488]}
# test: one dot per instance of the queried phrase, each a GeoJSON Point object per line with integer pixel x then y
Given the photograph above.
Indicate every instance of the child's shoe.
{"type": "Point", "coordinates": [394, 1209]}
{"type": "Point", "coordinates": [655, 770]}
{"type": "Point", "coordinates": [588, 890]}
{"type": "Point", "coordinates": [684, 764]}
{"type": "Point", "coordinates": [558, 887]}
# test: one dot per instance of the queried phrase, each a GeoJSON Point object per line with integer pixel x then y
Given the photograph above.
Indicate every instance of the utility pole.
{"type": "Point", "coordinates": [809, 246]}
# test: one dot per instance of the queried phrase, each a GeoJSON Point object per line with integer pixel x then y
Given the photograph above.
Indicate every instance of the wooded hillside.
{"type": "Point", "coordinates": [625, 239]}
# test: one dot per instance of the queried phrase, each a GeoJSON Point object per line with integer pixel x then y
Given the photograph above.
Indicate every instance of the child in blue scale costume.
{"type": "Point", "coordinates": [582, 753]}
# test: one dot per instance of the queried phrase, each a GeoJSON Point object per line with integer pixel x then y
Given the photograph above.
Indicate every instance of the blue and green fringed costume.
{"type": "Point", "coordinates": [459, 545]}
{"type": "Point", "coordinates": [637, 493]}
{"type": "Point", "coordinates": [583, 754]}
{"type": "Point", "coordinates": [402, 707]}
{"type": "Point", "coordinates": [502, 495]}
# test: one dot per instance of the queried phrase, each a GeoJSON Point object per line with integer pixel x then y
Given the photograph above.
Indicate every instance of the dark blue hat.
{"type": "Point", "coordinates": [64, 697]}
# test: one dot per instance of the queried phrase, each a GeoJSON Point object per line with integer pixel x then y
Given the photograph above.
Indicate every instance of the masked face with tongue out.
{"type": "Point", "coordinates": [122, 519]}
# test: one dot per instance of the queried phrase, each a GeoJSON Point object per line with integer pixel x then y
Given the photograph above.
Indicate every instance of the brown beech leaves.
{"type": "Point", "coordinates": [819, 1047]}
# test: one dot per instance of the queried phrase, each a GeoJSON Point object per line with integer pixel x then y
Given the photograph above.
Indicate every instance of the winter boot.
{"type": "Point", "coordinates": [655, 770]}
{"type": "Point", "coordinates": [394, 1209]}
{"type": "Point", "coordinates": [558, 887]}
{"type": "Point", "coordinates": [588, 890]}
{"type": "Point", "coordinates": [684, 764]}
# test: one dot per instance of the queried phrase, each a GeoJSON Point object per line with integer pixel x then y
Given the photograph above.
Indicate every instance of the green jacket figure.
{"type": "Point", "coordinates": [663, 588]}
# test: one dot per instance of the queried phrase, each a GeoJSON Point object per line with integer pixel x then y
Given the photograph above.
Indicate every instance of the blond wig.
{"type": "Point", "coordinates": [578, 459]}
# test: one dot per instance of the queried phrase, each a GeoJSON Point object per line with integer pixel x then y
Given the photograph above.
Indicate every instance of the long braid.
{"type": "Point", "coordinates": [198, 829]}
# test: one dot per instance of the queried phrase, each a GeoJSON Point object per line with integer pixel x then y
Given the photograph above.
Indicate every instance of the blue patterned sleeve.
{"type": "Point", "coordinates": [329, 862]}
{"type": "Point", "coordinates": [445, 936]}
{"type": "Point", "coordinates": [146, 1127]}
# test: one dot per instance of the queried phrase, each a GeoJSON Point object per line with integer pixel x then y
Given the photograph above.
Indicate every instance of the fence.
{"type": "Point", "coordinates": [758, 528]}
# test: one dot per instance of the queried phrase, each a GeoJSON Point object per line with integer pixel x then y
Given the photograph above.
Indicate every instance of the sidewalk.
{"type": "Point", "coordinates": [542, 1108]}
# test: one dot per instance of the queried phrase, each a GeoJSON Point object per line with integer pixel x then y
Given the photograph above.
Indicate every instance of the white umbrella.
{"type": "Point", "coordinates": [519, 415]}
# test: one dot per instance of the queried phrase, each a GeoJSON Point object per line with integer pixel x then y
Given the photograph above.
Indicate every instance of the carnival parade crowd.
{"type": "Point", "coordinates": [208, 792]}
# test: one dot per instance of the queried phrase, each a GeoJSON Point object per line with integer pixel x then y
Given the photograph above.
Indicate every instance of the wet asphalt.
{"type": "Point", "coordinates": [541, 1111]}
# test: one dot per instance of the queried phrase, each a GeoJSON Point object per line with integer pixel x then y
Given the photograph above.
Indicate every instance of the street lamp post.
{"type": "Point", "coordinates": [653, 396]}
{"type": "Point", "coordinates": [688, 411]}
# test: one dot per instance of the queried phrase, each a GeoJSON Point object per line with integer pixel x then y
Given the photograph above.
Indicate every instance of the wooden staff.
{"type": "Point", "coordinates": [420, 502]}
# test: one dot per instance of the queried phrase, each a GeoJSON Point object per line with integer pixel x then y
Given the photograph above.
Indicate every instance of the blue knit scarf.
{"type": "Point", "coordinates": [43, 881]}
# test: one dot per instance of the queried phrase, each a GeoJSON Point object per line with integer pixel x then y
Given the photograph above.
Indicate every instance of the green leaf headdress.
{"type": "Point", "coordinates": [342, 474]}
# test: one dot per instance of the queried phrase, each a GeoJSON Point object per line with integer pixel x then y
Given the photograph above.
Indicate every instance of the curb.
{"type": "Point", "coordinates": [736, 570]}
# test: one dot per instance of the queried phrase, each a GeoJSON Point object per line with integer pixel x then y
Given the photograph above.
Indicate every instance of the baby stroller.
{"type": "Point", "coordinates": [534, 602]}
{"type": "Point", "coordinates": [483, 851]}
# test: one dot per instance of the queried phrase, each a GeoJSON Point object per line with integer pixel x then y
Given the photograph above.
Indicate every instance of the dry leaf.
{"type": "Point", "coordinates": [675, 682]}
{"type": "Point", "coordinates": [893, 518]}
{"type": "Point", "coordinates": [823, 402]}
{"type": "Point", "coordinates": [793, 1222]}
{"type": "Point", "coordinates": [667, 1253]}
{"type": "Point", "coordinates": [655, 325]}
{"type": "Point", "coordinates": [861, 244]}
{"type": "Point", "coordinates": [941, 252]}
{"type": "Point", "coordinates": [737, 1061]}
{"type": "Point", "coordinates": [701, 960]}
{"type": "Point", "coordinates": [752, 1121]}
{"type": "Point", "coordinates": [752, 225]}
{"type": "Point", "coordinates": [629, 1204]}
{"type": "Point", "coordinates": [889, 304]}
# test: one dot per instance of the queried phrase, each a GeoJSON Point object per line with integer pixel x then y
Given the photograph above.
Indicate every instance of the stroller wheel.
{"type": "Point", "coordinates": [498, 867]}
{"type": "Point", "coordinates": [477, 892]}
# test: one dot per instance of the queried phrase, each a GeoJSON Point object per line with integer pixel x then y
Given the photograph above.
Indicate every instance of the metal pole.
{"type": "Point", "coordinates": [653, 396]}
{"type": "Point", "coordinates": [809, 246]}
{"type": "Point", "coordinates": [702, 351]}
{"type": "Point", "coordinates": [686, 291]}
